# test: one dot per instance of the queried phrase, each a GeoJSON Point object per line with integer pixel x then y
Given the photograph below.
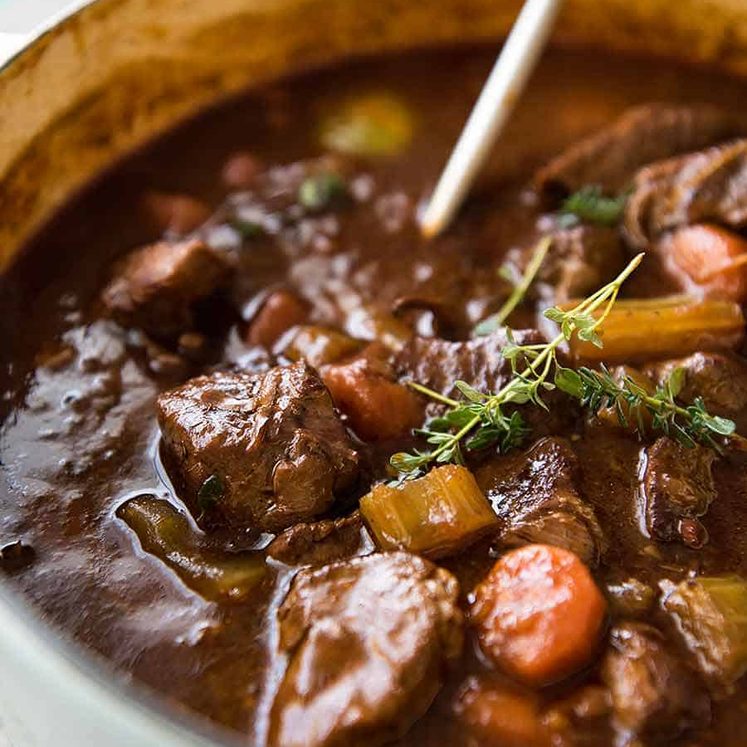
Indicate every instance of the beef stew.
{"type": "Point", "coordinates": [230, 358]}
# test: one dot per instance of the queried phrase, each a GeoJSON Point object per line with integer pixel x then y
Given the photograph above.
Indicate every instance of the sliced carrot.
{"type": "Point", "coordinates": [499, 716]}
{"type": "Point", "coordinates": [538, 614]}
{"type": "Point", "coordinates": [713, 258]}
{"type": "Point", "coordinates": [377, 406]}
{"type": "Point", "coordinates": [280, 311]}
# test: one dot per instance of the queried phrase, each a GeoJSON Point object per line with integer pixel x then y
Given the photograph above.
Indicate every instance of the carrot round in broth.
{"type": "Point", "coordinates": [714, 259]}
{"type": "Point", "coordinates": [538, 614]}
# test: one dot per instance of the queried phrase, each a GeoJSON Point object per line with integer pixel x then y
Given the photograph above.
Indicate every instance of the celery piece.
{"type": "Point", "coordinates": [435, 515]}
{"type": "Point", "coordinates": [642, 329]}
{"type": "Point", "coordinates": [167, 534]}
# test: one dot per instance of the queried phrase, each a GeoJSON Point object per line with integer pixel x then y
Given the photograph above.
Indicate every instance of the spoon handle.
{"type": "Point", "coordinates": [497, 100]}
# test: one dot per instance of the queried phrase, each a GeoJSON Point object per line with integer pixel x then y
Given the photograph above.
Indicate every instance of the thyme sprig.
{"type": "Point", "coordinates": [481, 419]}
{"type": "Point", "coordinates": [591, 206]}
{"type": "Point", "coordinates": [490, 324]}
{"type": "Point", "coordinates": [689, 424]}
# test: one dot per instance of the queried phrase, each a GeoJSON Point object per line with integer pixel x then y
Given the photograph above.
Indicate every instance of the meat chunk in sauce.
{"type": "Point", "coordinates": [369, 642]}
{"type": "Point", "coordinates": [321, 542]}
{"type": "Point", "coordinates": [710, 185]}
{"type": "Point", "coordinates": [438, 363]}
{"type": "Point", "coordinates": [158, 285]}
{"type": "Point", "coordinates": [536, 496]}
{"type": "Point", "coordinates": [654, 695]}
{"type": "Point", "coordinates": [581, 259]}
{"type": "Point", "coordinates": [719, 380]}
{"type": "Point", "coordinates": [641, 135]}
{"type": "Point", "coordinates": [677, 488]}
{"type": "Point", "coordinates": [271, 445]}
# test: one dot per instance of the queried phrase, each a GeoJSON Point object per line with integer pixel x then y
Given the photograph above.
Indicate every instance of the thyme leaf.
{"type": "Point", "coordinates": [481, 419]}
{"type": "Point", "coordinates": [591, 206]}
{"type": "Point", "coordinates": [688, 424]}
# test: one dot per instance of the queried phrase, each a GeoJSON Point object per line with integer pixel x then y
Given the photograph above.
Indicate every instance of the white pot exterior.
{"type": "Point", "coordinates": [52, 696]}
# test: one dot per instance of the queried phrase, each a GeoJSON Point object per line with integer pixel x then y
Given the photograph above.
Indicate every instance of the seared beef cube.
{"type": "Point", "coordinates": [260, 451]}
{"type": "Point", "coordinates": [654, 695]}
{"type": "Point", "coordinates": [720, 380]}
{"type": "Point", "coordinates": [631, 598]}
{"type": "Point", "coordinates": [157, 286]}
{"type": "Point", "coordinates": [438, 363]}
{"type": "Point", "coordinates": [581, 259]}
{"type": "Point", "coordinates": [708, 186]}
{"type": "Point", "coordinates": [369, 642]}
{"type": "Point", "coordinates": [677, 487]}
{"type": "Point", "coordinates": [536, 496]}
{"type": "Point", "coordinates": [641, 135]}
{"type": "Point", "coordinates": [710, 613]}
{"type": "Point", "coordinates": [321, 542]}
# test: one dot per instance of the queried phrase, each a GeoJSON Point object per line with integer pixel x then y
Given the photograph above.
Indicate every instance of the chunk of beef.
{"type": "Point", "coordinates": [631, 597]}
{"type": "Point", "coordinates": [321, 542]}
{"type": "Point", "coordinates": [535, 494]}
{"type": "Point", "coordinates": [708, 612]}
{"type": "Point", "coordinates": [654, 695]}
{"type": "Point", "coordinates": [641, 135]}
{"type": "Point", "coordinates": [581, 259]}
{"type": "Point", "coordinates": [157, 286]}
{"type": "Point", "coordinates": [708, 186]}
{"type": "Point", "coordinates": [438, 363]}
{"type": "Point", "coordinates": [368, 643]}
{"type": "Point", "coordinates": [720, 380]}
{"type": "Point", "coordinates": [266, 451]}
{"type": "Point", "coordinates": [677, 487]}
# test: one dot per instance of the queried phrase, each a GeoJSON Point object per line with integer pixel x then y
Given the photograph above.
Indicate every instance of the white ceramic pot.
{"type": "Point", "coordinates": [135, 67]}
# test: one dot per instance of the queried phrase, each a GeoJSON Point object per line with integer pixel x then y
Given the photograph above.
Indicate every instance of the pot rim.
{"type": "Point", "coordinates": [14, 44]}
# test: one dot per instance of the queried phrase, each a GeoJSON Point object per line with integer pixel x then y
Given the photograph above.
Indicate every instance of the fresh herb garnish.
{"type": "Point", "coordinates": [495, 321]}
{"type": "Point", "coordinates": [688, 424]}
{"type": "Point", "coordinates": [321, 191]}
{"type": "Point", "coordinates": [248, 229]}
{"type": "Point", "coordinates": [210, 492]}
{"type": "Point", "coordinates": [591, 206]}
{"type": "Point", "coordinates": [481, 419]}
